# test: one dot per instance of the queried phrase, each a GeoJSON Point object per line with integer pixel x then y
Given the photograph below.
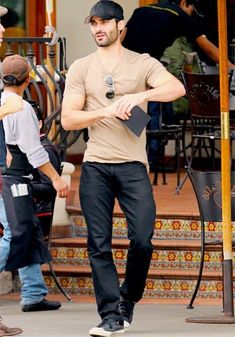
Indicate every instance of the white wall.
{"type": "Point", "coordinates": [70, 24]}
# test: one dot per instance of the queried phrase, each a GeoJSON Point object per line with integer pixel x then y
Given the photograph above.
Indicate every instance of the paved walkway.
{"type": "Point", "coordinates": [150, 320]}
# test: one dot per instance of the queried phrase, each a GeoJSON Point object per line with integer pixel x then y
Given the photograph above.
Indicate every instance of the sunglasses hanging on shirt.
{"type": "Point", "coordinates": [108, 80]}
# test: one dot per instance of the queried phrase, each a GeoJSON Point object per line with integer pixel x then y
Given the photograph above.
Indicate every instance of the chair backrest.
{"type": "Point", "coordinates": [207, 187]}
{"type": "Point", "coordinates": [203, 94]}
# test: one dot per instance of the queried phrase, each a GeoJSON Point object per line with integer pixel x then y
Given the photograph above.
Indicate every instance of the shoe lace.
{"type": "Point", "coordinates": [109, 321]}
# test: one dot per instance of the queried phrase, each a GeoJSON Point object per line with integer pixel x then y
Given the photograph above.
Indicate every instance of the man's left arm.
{"type": "Point", "coordinates": [166, 88]}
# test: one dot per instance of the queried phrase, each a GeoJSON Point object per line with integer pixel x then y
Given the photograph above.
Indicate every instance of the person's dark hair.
{"type": "Point", "coordinates": [10, 19]}
{"type": "Point", "coordinates": [10, 80]}
{"type": "Point", "coordinates": [197, 5]}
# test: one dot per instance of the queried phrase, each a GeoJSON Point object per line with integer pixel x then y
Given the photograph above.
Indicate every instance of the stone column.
{"type": "Point", "coordinates": [6, 282]}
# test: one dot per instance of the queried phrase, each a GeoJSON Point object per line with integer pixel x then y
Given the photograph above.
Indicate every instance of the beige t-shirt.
{"type": "Point", "coordinates": [109, 140]}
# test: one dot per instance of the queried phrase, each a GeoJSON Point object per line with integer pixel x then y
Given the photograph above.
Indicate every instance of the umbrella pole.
{"type": "Point", "coordinates": [228, 317]}
{"type": "Point", "coordinates": [225, 162]}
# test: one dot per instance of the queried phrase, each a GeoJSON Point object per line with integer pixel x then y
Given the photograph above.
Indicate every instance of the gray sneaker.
{"type": "Point", "coordinates": [107, 327]}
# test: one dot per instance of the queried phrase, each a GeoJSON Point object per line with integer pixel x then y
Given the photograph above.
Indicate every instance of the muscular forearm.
{"type": "Point", "coordinates": [72, 119]}
{"type": "Point", "coordinates": [167, 92]}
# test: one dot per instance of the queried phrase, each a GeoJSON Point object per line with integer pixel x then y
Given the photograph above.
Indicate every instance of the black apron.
{"type": "Point", "coordinates": [27, 246]}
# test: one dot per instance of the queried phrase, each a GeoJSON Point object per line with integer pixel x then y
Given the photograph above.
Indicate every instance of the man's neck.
{"type": "Point", "coordinates": [15, 90]}
{"type": "Point", "coordinates": [111, 55]}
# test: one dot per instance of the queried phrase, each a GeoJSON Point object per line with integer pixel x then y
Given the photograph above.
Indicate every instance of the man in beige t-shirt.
{"type": "Point", "coordinates": [99, 88]}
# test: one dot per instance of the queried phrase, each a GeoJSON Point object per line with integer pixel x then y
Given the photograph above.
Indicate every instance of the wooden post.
{"type": "Point", "coordinates": [225, 160]}
{"type": "Point", "coordinates": [146, 2]}
{"type": "Point", "coordinates": [51, 22]}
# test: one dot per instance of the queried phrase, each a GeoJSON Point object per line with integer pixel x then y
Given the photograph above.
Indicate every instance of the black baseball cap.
{"type": "Point", "coordinates": [107, 10]}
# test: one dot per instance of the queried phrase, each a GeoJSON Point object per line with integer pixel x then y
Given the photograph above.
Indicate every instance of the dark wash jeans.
{"type": "Point", "coordinates": [130, 184]}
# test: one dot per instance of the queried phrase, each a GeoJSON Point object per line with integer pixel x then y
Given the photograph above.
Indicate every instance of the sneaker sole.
{"type": "Point", "coordinates": [99, 332]}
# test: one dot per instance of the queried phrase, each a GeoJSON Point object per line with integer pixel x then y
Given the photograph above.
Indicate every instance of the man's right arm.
{"type": "Point", "coordinates": [73, 116]}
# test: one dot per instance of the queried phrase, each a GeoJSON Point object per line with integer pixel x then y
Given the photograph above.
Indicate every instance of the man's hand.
{"type": "Point", "coordinates": [123, 106]}
{"type": "Point", "coordinates": [61, 187]}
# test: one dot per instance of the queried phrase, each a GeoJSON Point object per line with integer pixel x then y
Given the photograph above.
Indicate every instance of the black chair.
{"type": "Point", "coordinates": [207, 188]}
{"type": "Point", "coordinates": [203, 93]}
{"type": "Point", "coordinates": [204, 103]}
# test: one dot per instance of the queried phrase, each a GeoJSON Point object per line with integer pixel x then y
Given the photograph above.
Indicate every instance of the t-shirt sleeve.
{"type": "Point", "coordinates": [27, 134]}
{"type": "Point", "coordinates": [152, 70]}
{"type": "Point", "coordinates": [74, 83]}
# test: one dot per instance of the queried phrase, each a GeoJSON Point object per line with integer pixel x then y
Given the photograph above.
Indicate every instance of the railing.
{"type": "Point", "coordinates": [48, 63]}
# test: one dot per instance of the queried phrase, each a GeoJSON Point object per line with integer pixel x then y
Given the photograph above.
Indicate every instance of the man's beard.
{"type": "Point", "coordinates": [109, 40]}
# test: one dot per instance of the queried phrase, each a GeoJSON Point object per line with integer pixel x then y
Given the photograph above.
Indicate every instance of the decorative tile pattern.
{"type": "Point", "coordinates": [160, 288]}
{"type": "Point", "coordinates": [164, 228]}
{"type": "Point", "coordinates": [161, 259]}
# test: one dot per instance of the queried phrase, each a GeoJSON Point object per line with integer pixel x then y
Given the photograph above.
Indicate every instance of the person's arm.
{"type": "Point", "coordinates": [167, 88]}
{"type": "Point", "coordinates": [8, 158]}
{"type": "Point", "coordinates": [210, 49]}
{"type": "Point", "coordinates": [58, 183]}
{"type": "Point", "coordinates": [27, 135]}
{"type": "Point", "coordinates": [73, 117]}
{"type": "Point", "coordinates": [12, 104]}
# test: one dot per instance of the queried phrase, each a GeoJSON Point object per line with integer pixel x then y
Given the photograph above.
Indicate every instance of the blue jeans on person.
{"type": "Point", "coordinates": [100, 184]}
{"type": "Point", "coordinates": [160, 113]}
{"type": "Point", "coordinates": [33, 288]}
{"type": "Point", "coordinates": [154, 124]}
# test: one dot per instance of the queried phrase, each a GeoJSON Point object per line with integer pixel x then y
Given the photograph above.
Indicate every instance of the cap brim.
{"type": "Point", "coordinates": [3, 11]}
{"type": "Point", "coordinates": [88, 19]}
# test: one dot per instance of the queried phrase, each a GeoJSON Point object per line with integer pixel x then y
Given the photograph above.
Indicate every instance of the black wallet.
{"type": "Point", "coordinates": [137, 121]}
